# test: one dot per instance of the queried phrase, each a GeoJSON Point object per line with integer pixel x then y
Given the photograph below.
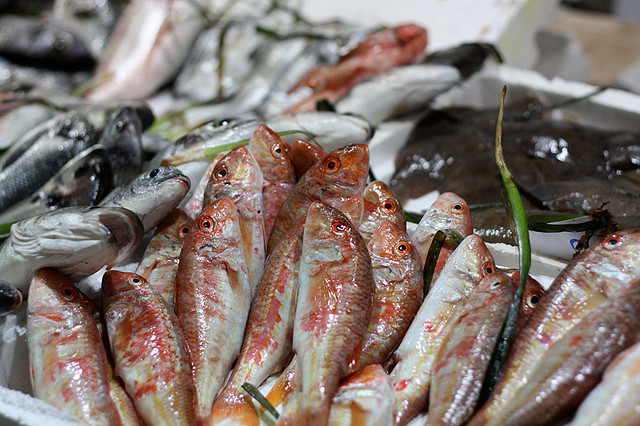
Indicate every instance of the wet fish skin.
{"type": "Point", "coordinates": [213, 298]}
{"type": "Point", "coordinates": [304, 155]}
{"type": "Point", "coordinates": [363, 398]}
{"type": "Point", "coordinates": [411, 377]}
{"type": "Point", "coordinates": [575, 363]}
{"type": "Point", "coordinates": [67, 358]}
{"type": "Point", "coordinates": [152, 195]}
{"type": "Point", "coordinates": [159, 263]}
{"type": "Point", "coordinates": [341, 172]}
{"type": "Point", "coordinates": [76, 241]}
{"type": "Point", "coordinates": [597, 274]}
{"type": "Point", "coordinates": [533, 293]}
{"type": "Point", "coordinates": [332, 310]}
{"type": "Point", "coordinates": [398, 293]}
{"type": "Point", "coordinates": [272, 154]}
{"type": "Point", "coordinates": [461, 363]}
{"type": "Point", "coordinates": [10, 298]}
{"type": "Point", "coordinates": [238, 176]}
{"type": "Point", "coordinates": [380, 204]}
{"type": "Point", "coordinates": [122, 139]}
{"type": "Point", "coordinates": [149, 351]}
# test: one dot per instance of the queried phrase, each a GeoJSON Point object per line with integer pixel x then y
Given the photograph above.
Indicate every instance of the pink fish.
{"type": "Point", "coordinates": [68, 361]}
{"type": "Point", "coordinates": [148, 348]}
{"type": "Point", "coordinates": [533, 293]}
{"type": "Point", "coordinates": [304, 155]}
{"type": "Point", "coordinates": [213, 298]}
{"type": "Point", "coordinates": [272, 153]}
{"type": "Point", "coordinates": [342, 172]}
{"type": "Point", "coordinates": [332, 312]}
{"type": "Point", "coordinates": [159, 263]}
{"type": "Point", "coordinates": [380, 204]}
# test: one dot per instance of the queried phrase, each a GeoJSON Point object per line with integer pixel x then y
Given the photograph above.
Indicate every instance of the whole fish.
{"type": "Point", "coordinates": [449, 211]}
{"type": "Point", "coordinates": [304, 155]}
{"type": "Point", "coordinates": [598, 273]}
{"type": "Point", "coordinates": [268, 336]}
{"type": "Point", "coordinates": [341, 172]}
{"type": "Point", "coordinates": [461, 363]}
{"type": "Point", "coordinates": [238, 176]}
{"type": "Point", "coordinates": [149, 351]}
{"type": "Point", "coordinates": [159, 264]}
{"type": "Point", "coordinates": [378, 52]}
{"type": "Point", "coordinates": [469, 263]}
{"type": "Point", "coordinates": [213, 298]}
{"type": "Point", "coordinates": [332, 311]}
{"type": "Point", "coordinates": [151, 196]}
{"type": "Point", "coordinates": [575, 363]}
{"type": "Point", "coordinates": [147, 48]}
{"type": "Point", "coordinates": [279, 177]}
{"type": "Point", "coordinates": [84, 181]}
{"type": "Point", "coordinates": [398, 293]}
{"type": "Point", "coordinates": [363, 398]}
{"type": "Point", "coordinates": [10, 298]}
{"type": "Point", "coordinates": [76, 241]}
{"type": "Point", "coordinates": [616, 398]}
{"type": "Point", "coordinates": [67, 358]}
{"type": "Point", "coordinates": [380, 204]}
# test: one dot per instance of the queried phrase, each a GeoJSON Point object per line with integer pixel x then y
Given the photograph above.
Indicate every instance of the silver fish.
{"type": "Point", "coordinates": [10, 298]}
{"type": "Point", "coordinates": [122, 139]}
{"type": "Point", "coordinates": [152, 195]}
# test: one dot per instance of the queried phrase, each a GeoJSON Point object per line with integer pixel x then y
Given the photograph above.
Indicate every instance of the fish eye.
{"type": "Point", "coordinates": [388, 206]}
{"type": "Point", "coordinates": [184, 231]}
{"type": "Point", "coordinates": [458, 207]}
{"type": "Point", "coordinates": [135, 280]}
{"type": "Point", "coordinates": [119, 126]}
{"type": "Point", "coordinates": [402, 248]}
{"type": "Point", "coordinates": [222, 172]}
{"type": "Point", "coordinates": [153, 173]}
{"type": "Point", "coordinates": [533, 300]}
{"type": "Point", "coordinates": [338, 227]}
{"type": "Point", "coordinates": [277, 150]}
{"type": "Point", "coordinates": [331, 165]}
{"type": "Point", "coordinates": [206, 224]}
{"type": "Point", "coordinates": [613, 241]}
{"type": "Point", "coordinates": [68, 292]}
{"type": "Point", "coordinates": [488, 268]}
{"type": "Point", "coordinates": [496, 284]}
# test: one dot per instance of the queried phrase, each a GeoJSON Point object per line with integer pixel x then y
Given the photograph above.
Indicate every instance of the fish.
{"type": "Point", "coordinates": [469, 263]}
{"type": "Point", "coordinates": [533, 293]}
{"type": "Point", "coordinates": [378, 52]}
{"type": "Point", "coordinates": [152, 195]}
{"type": "Point", "coordinates": [76, 241]}
{"type": "Point", "coordinates": [614, 399]}
{"type": "Point", "coordinates": [272, 154]}
{"type": "Point", "coordinates": [380, 204]}
{"type": "Point", "coordinates": [595, 275]}
{"type": "Point", "coordinates": [159, 263]}
{"type": "Point", "coordinates": [304, 155]}
{"type": "Point", "coordinates": [341, 172]}
{"type": "Point", "coordinates": [462, 360]}
{"type": "Point", "coordinates": [448, 212]}
{"type": "Point", "coordinates": [213, 298]}
{"type": "Point", "coordinates": [268, 336]}
{"type": "Point", "coordinates": [84, 181]}
{"type": "Point", "coordinates": [332, 311]}
{"type": "Point", "coordinates": [67, 358]}
{"type": "Point", "coordinates": [575, 363]}
{"type": "Point", "coordinates": [238, 176]}
{"type": "Point", "coordinates": [398, 294]}
{"type": "Point", "coordinates": [17, 120]}
{"type": "Point", "coordinates": [10, 298]}
{"type": "Point", "coordinates": [149, 351]}
{"type": "Point", "coordinates": [42, 43]}
{"type": "Point", "coordinates": [363, 398]}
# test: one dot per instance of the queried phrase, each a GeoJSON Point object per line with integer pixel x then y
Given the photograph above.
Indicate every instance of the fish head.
{"type": "Point", "coordinates": [124, 226]}
{"type": "Point", "coordinates": [450, 211]}
{"type": "Point", "coordinates": [272, 153]}
{"type": "Point", "coordinates": [115, 283]}
{"type": "Point", "coordinates": [304, 155]}
{"type": "Point", "coordinates": [391, 243]}
{"type": "Point", "coordinates": [216, 227]}
{"type": "Point", "coordinates": [238, 168]}
{"type": "Point", "coordinates": [472, 259]}
{"type": "Point", "coordinates": [51, 291]}
{"type": "Point", "coordinates": [328, 227]}
{"type": "Point", "coordinates": [10, 298]}
{"type": "Point", "coordinates": [383, 203]}
{"type": "Point", "coordinates": [497, 282]}
{"type": "Point", "coordinates": [177, 224]}
{"type": "Point", "coordinates": [122, 139]}
{"type": "Point", "coordinates": [342, 171]}
{"type": "Point", "coordinates": [351, 206]}
{"type": "Point", "coordinates": [533, 292]}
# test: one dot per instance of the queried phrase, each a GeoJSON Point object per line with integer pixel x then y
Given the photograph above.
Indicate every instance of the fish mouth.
{"type": "Point", "coordinates": [125, 227]}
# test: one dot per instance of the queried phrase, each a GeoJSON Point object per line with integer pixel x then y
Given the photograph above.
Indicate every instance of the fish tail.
{"type": "Point", "coordinates": [281, 389]}
{"type": "Point", "coordinates": [239, 410]}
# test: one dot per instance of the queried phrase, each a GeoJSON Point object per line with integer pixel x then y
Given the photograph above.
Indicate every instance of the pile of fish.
{"type": "Point", "coordinates": [230, 250]}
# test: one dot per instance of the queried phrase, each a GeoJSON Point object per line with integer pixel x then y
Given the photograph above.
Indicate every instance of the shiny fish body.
{"type": "Point", "coordinates": [152, 195]}
{"type": "Point", "coordinates": [304, 154]}
{"type": "Point", "coordinates": [616, 399]}
{"type": "Point", "coordinates": [363, 398]}
{"type": "Point", "coordinates": [461, 363]}
{"type": "Point", "coordinates": [159, 264]}
{"type": "Point", "coordinates": [411, 377]}
{"type": "Point", "coordinates": [332, 311]}
{"type": "Point", "coordinates": [272, 154]}
{"type": "Point", "coordinates": [596, 274]}
{"type": "Point", "coordinates": [398, 293]}
{"type": "Point", "coordinates": [268, 337]}
{"type": "Point", "coordinates": [380, 204]}
{"type": "Point", "coordinates": [149, 351]}
{"type": "Point", "coordinates": [76, 241]}
{"type": "Point", "coordinates": [342, 172]}
{"type": "Point", "coordinates": [574, 365]}
{"type": "Point", "coordinates": [213, 298]}
{"type": "Point", "coordinates": [67, 358]}
{"type": "Point", "coordinates": [238, 176]}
